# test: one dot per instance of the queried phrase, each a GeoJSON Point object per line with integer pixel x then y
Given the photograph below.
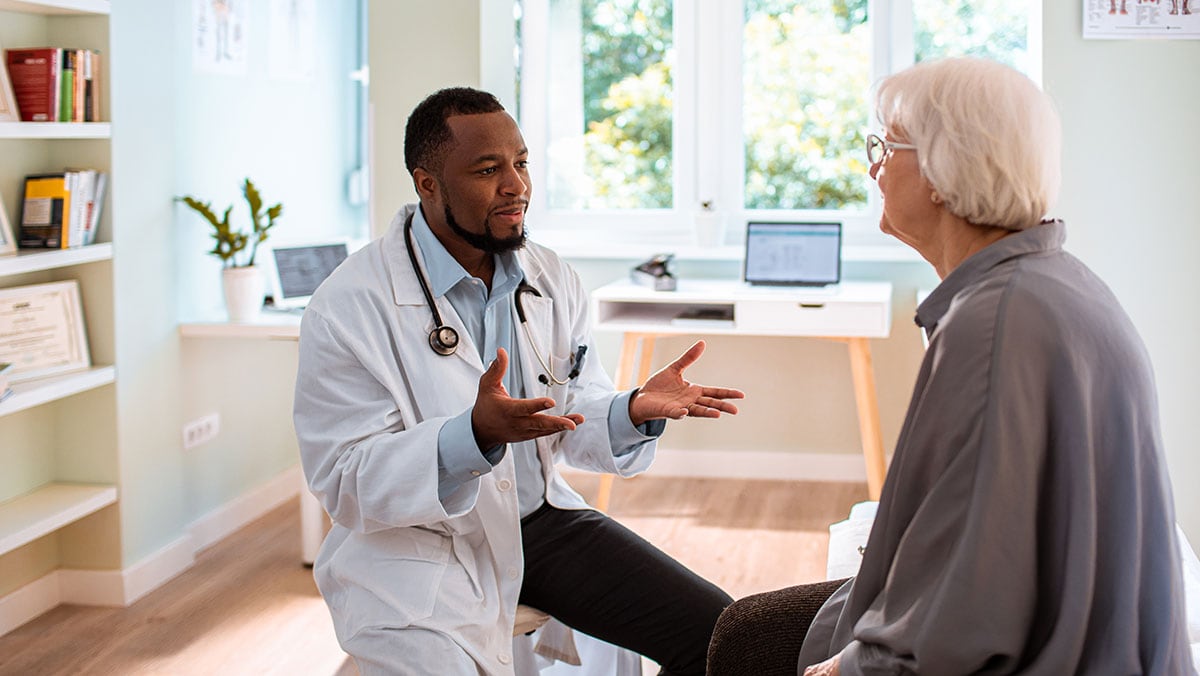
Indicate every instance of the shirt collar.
{"type": "Point", "coordinates": [445, 272]}
{"type": "Point", "coordinates": [1043, 238]}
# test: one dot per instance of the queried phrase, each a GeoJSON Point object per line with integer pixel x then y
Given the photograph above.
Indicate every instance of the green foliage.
{"type": "Point", "coordinates": [621, 39]}
{"type": "Point", "coordinates": [228, 243]}
{"type": "Point", "coordinates": [992, 29]}
{"type": "Point", "coordinates": [806, 81]}
{"type": "Point", "coordinates": [804, 104]}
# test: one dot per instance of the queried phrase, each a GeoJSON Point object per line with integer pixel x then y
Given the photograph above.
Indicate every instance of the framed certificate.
{"type": "Point", "coordinates": [7, 243]}
{"type": "Point", "coordinates": [42, 331]}
{"type": "Point", "coordinates": [8, 101]}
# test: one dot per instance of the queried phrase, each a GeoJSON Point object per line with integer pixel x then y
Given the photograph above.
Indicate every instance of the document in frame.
{"type": "Point", "coordinates": [42, 331]}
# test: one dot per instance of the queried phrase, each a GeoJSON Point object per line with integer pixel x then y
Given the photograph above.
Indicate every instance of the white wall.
{"type": "Point", "coordinates": [1131, 117]}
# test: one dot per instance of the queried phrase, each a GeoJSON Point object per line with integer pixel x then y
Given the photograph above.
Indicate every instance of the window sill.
{"type": "Point", "coordinates": [880, 253]}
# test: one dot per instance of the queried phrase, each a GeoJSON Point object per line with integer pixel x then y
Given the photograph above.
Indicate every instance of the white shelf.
{"type": "Point", "coordinates": [57, 6]}
{"type": "Point", "coordinates": [44, 390]}
{"type": "Point", "coordinates": [55, 130]}
{"type": "Point", "coordinates": [28, 517]}
{"type": "Point", "coordinates": [33, 260]}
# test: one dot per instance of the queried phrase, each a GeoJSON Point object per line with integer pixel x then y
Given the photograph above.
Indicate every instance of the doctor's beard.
{"type": "Point", "coordinates": [486, 241]}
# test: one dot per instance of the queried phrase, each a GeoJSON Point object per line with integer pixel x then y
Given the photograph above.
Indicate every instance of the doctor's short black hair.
{"type": "Point", "coordinates": [426, 135]}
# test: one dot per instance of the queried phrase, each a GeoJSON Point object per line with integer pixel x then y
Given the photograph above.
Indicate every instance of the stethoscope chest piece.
{"type": "Point", "coordinates": [443, 340]}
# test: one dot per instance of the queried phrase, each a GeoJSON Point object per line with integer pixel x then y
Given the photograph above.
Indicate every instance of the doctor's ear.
{"type": "Point", "coordinates": [425, 183]}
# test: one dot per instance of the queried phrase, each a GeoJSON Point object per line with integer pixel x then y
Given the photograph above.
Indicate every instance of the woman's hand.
{"type": "Point", "coordinates": [827, 668]}
{"type": "Point", "coordinates": [667, 395]}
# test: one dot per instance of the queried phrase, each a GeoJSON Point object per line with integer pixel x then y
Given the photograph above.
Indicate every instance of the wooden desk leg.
{"type": "Point", "coordinates": [625, 380]}
{"type": "Point", "coordinates": [868, 414]}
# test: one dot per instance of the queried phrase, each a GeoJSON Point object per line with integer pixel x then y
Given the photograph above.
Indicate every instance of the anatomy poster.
{"type": "Point", "coordinates": [292, 41]}
{"type": "Point", "coordinates": [219, 36]}
{"type": "Point", "coordinates": [1141, 19]}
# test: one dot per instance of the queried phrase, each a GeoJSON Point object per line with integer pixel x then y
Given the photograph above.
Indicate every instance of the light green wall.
{"type": "Point", "coordinates": [1130, 150]}
{"type": "Point", "coordinates": [175, 132]}
{"type": "Point", "coordinates": [295, 140]}
{"type": "Point", "coordinates": [415, 48]}
{"type": "Point", "coordinates": [144, 114]}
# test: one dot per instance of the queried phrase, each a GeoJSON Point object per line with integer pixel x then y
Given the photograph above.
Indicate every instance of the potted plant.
{"type": "Point", "coordinates": [241, 280]}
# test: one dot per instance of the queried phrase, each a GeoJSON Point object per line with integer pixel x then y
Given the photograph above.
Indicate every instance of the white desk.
{"type": "Point", "coordinates": [851, 313]}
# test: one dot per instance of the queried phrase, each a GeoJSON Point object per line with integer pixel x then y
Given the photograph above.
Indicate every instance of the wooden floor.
{"type": "Point", "coordinates": [249, 607]}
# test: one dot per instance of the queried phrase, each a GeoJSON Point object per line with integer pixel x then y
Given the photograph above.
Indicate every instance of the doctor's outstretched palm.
{"type": "Point", "coordinates": [667, 395]}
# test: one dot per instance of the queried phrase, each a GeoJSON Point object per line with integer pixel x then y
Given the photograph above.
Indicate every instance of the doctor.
{"type": "Point", "coordinates": [444, 369]}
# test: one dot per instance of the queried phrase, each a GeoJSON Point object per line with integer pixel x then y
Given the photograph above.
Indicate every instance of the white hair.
{"type": "Point", "coordinates": [988, 140]}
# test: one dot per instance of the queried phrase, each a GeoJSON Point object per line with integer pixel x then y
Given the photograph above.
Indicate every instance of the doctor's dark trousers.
{"type": "Point", "coordinates": [596, 576]}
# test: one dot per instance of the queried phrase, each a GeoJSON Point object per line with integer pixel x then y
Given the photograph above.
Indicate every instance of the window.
{"type": "Point", "coordinates": [648, 120]}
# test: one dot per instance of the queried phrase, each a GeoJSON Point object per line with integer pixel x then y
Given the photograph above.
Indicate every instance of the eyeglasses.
{"type": "Point", "coordinates": [878, 149]}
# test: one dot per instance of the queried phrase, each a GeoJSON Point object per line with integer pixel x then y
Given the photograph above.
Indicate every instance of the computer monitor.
{"type": "Point", "coordinates": [296, 270]}
{"type": "Point", "coordinates": [793, 253]}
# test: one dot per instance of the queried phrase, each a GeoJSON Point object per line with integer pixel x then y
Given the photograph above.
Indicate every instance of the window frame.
{"type": "Point", "coordinates": [702, 172]}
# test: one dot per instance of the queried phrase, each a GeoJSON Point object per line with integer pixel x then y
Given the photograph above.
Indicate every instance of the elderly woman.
{"type": "Point", "coordinates": [1026, 525]}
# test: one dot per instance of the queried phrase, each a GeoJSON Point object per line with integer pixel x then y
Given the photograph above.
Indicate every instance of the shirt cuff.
{"type": "Point", "coordinates": [458, 452]}
{"type": "Point", "coordinates": [624, 436]}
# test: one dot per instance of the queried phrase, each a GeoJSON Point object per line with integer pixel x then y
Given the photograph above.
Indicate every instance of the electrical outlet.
{"type": "Point", "coordinates": [201, 430]}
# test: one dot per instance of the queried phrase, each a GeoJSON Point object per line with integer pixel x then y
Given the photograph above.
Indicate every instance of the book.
{"type": "Point", "coordinates": [709, 317]}
{"type": "Point", "coordinates": [44, 212]}
{"type": "Point", "coordinates": [91, 64]}
{"type": "Point", "coordinates": [66, 83]}
{"type": "Point", "coordinates": [34, 76]}
{"type": "Point", "coordinates": [96, 205]}
{"type": "Point", "coordinates": [82, 184]}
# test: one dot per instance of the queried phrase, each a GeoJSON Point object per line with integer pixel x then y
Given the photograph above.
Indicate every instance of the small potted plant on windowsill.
{"type": "Point", "coordinates": [241, 280]}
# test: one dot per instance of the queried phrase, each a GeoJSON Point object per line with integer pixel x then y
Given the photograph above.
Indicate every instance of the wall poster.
{"type": "Point", "coordinates": [1141, 19]}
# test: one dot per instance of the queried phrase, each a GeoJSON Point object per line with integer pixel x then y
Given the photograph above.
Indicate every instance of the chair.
{"type": "Point", "coordinates": [761, 635]}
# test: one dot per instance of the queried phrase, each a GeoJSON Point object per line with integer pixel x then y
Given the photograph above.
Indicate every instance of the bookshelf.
{"type": "Point", "coordinates": [53, 130]}
{"type": "Point", "coordinates": [58, 488]}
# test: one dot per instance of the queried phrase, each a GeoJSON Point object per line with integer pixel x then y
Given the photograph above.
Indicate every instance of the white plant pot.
{"type": "Point", "coordinates": [243, 293]}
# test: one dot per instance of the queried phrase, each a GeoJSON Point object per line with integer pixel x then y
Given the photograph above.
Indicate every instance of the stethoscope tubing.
{"type": "Point", "coordinates": [444, 339]}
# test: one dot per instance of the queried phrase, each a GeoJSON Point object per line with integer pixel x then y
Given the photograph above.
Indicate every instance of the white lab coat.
{"type": "Point", "coordinates": [371, 397]}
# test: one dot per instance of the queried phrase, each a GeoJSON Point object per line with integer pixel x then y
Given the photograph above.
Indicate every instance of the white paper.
{"type": "Point", "coordinates": [1141, 19]}
{"type": "Point", "coordinates": [41, 330]}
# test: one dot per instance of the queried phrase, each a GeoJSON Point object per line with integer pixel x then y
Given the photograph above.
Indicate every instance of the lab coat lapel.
{"type": "Point", "coordinates": [410, 299]}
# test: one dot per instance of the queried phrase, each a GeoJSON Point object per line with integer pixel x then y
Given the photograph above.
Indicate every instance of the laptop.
{"type": "Point", "coordinates": [793, 254]}
{"type": "Point", "coordinates": [296, 270]}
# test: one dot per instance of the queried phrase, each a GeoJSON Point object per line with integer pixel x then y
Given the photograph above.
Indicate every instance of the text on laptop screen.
{"type": "Point", "coordinates": [301, 269]}
{"type": "Point", "coordinates": [802, 254]}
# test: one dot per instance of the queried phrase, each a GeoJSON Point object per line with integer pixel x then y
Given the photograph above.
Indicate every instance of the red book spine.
{"type": "Point", "coordinates": [34, 75]}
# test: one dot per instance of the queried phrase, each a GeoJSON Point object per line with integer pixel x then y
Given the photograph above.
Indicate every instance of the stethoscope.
{"type": "Point", "coordinates": [444, 339]}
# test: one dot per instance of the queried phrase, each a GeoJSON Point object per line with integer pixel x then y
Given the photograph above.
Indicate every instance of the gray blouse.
{"type": "Point", "coordinates": [1026, 525]}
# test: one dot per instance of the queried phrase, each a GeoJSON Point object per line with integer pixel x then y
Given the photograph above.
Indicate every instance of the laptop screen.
{"type": "Point", "coordinates": [793, 254]}
{"type": "Point", "coordinates": [299, 270]}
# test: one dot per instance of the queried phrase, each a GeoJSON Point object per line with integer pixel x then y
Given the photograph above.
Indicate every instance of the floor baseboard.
{"type": "Point", "coordinates": [777, 465]}
{"type": "Point", "coordinates": [124, 587]}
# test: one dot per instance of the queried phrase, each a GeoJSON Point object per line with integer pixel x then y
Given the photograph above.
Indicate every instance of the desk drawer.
{"type": "Point", "coordinates": [812, 318]}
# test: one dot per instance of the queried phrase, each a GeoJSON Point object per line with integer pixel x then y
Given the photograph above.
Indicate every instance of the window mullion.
{"type": "Point", "coordinates": [535, 19]}
{"type": "Point", "coordinates": [728, 167]}
{"type": "Point", "coordinates": [690, 70]}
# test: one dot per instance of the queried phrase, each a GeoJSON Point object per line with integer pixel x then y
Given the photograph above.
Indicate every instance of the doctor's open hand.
{"type": "Point", "coordinates": [499, 419]}
{"type": "Point", "coordinates": [667, 395]}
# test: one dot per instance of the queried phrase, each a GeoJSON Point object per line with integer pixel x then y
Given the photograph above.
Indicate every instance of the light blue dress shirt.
{"type": "Point", "coordinates": [489, 321]}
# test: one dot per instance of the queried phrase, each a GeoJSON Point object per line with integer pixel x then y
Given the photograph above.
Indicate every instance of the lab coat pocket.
{"type": "Point", "coordinates": [394, 577]}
